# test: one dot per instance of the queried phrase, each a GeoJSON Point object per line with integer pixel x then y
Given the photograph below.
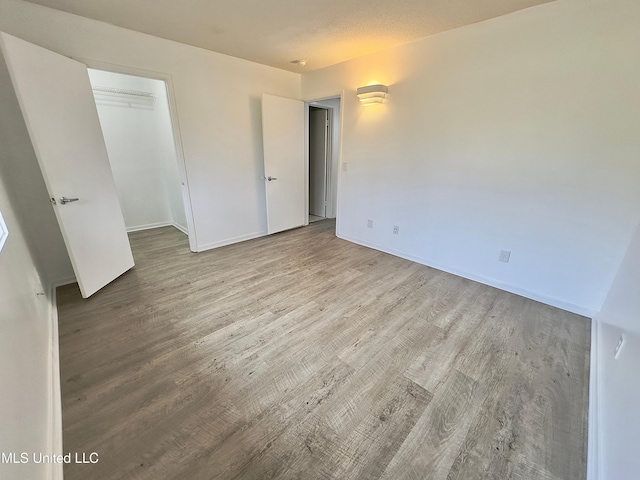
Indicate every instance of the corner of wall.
{"type": "Point", "coordinates": [583, 310]}
{"type": "Point", "coordinates": [55, 394]}
{"type": "Point", "coordinates": [593, 445]}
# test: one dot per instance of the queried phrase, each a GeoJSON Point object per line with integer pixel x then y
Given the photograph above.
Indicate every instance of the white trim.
{"type": "Point", "coordinates": [230, 241]}
{"type": "Point", "coordinates": [139, 228]}
{"type": "Point", "coordinates": [59, 282]}
{"type": "Point", "coordinates": [593, 445]}
{"type": "Point", "coordinates": [55, 400]}
{"type": "Point", "coordinates": [325, 96]}
{"type": "Point", "coordinates": [149, 226]}
{"type": "Point", "coordinates": [181, 228]}
{"type": "Point", "coordinates": [328, 202]}
{"type": "Point", "coordinates": [306, 163]}
{"type": "Point", "coordinates": [554, 302]}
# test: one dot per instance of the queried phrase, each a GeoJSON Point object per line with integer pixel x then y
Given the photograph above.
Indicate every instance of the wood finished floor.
{"type": "Point", "coordinates": [303, 356]}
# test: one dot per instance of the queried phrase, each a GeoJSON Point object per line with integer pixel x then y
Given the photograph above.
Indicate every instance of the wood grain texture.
{"type": "Point", "coordinates": [300, 355]}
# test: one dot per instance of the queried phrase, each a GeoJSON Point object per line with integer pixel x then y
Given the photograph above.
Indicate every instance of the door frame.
{"type": "Point", "coordinates": [175, 127]}
{"type": "Point", "coordinates": [328, 156]}
{"type": "Point", "coordinates": [313, 102]}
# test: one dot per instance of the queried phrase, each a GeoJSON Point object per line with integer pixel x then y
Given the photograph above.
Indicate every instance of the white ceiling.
{"type": "Point", "coordinates": [275, 32]}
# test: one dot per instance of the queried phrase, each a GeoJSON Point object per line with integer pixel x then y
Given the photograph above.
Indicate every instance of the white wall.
{"type": "Point", "coordinates": [25, 316]}
{"type": "Point", "coordinates": [218, 109]}
{"type": "Point", "coordinates": [139, 139]}
{"type": "Point", "coordinates": [24, 352]}
{"type": "Point", "coordinates": [618, 398]}
{"type": "Point", "coordinates": [518, 133]}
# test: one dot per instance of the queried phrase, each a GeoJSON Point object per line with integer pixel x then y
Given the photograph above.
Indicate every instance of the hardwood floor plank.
{"type": "Point", "coordinates": [459, 325]}
{"type": "Point", "coordinates": [241, 454]}
{"type": "Point", "coordinates": [374, 442]}
{"type": "Point", "coordinates": [300, 355]}
{"type": "Point", "coordinates": [431, 447]}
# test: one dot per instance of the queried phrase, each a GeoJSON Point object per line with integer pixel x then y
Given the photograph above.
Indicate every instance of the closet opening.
{"type": "Point", "coordinates": [148, 171]}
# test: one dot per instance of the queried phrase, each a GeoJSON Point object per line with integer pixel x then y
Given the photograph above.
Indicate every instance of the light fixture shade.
{"type": "Point", "coordinates": [372, 94]}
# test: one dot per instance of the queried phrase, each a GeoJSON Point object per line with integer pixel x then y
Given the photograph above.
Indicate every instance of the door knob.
{"type": "Point", "coordinates": [65, 200]}
{"type": "Point", "coordinates": [271, 178]}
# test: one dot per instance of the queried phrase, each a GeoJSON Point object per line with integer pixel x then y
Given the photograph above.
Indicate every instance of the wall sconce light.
{"type": "Point", "coordinates": [372, 94]}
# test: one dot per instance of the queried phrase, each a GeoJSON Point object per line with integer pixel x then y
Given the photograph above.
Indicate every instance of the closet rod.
{"type": "Point", "coordinates": [122, 91]}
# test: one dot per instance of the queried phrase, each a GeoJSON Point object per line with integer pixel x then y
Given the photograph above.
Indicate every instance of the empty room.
{"type": "Point", "coordinates": [349, 240]}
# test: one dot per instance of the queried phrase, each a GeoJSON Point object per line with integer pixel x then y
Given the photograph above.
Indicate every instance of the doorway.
{"type": "Point", "coordinates": [138, 132]}
{"type": "Point", "coordinates": [319, 162]}
{"type": "Point", "coordinates": [324, 156]}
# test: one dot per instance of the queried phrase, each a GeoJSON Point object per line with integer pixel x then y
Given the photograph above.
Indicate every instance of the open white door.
{"type": "Point", "coordinates": [57, 103]}
{"type": "Point", "coordinates": [283, 140]}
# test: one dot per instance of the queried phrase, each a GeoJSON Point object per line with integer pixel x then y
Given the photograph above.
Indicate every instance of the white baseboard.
{"type": "Point", "coordinates": [593, 446]}
{"type": "Point", "coordinates": [229, 241]}
{"type": "Point", "coordinates": [149, 226]}
{"type": "Point", "coordinates": [554, 302]}
{"type": "Point", "coordinates": [55, 400]}
{"type": "Point", "coordinates": [181, 228]}
{"type": "Point", "coordinates": [59, 282]}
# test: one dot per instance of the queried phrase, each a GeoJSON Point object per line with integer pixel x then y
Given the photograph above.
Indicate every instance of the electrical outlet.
{"type": "Point", "coordinates": [505, 255]}
{"type": "Point", "coordinates": [369, 223]}
{"type": "Point", "coordinates": [396, 229]}
{"type": "Point", "coordinates": [616, 351]}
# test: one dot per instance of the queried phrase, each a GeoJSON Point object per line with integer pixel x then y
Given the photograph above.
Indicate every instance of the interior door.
{"type": "Point", "coordinates": [57, 103]}
{"type": "Point", "coordinates": [318, 137]}
{"type": "Point", "coordinates": [283, 141]}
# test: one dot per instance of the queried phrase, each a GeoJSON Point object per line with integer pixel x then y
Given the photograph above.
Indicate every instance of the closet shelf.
{"type": "Point", "coordinates": [121, 97]}
{"type": "Point", "coordinates": [121, 91]}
